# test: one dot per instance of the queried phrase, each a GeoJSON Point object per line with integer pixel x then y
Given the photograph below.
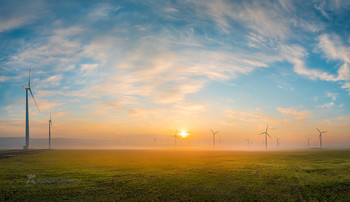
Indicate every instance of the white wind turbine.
{"type": "Point", "coordinates": [321, 136]}
{"type": "Point", "coordinates": [266, 134]}
{"type": "Point", "coordinates": [26, 147]}
{"type": "Point", "coordinates": [214, 133]}
{"type": "Point", "coordinates": [50, 126]}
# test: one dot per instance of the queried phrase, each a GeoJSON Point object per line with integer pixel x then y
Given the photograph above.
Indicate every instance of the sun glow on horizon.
{"type": "Point", "coordinates": [183, 134]}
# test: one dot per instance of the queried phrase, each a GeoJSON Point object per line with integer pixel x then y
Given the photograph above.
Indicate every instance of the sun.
{"type": "Point", "coordinates": [183, 134]}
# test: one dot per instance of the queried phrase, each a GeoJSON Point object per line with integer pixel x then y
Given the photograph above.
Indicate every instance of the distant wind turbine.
{"type": "Point", "coordinates": [248, 142]}
{"type": "Point", "coordinates": [50, 126]}
{"type": "Point", "coordinates": [277, 142]}
{"type": "Point", "coordinates": [26, 147]}
{"type": "Point", "coordinates": [214, 133]}
{"type": "Point", "coordinates": [266, 134]}
{"type": "Point", "coordinates": [321, 136]}
{"type": "Point", "coordinates": [175, 136]}
{"type": "Point", "coordinates": [308, 141]}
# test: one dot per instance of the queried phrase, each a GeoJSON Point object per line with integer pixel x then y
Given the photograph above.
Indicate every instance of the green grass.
{"type": "Point", "coordinates": [162, 175]}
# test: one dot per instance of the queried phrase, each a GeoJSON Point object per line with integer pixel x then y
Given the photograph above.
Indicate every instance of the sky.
{"type": "Point", "coordinates": [118, 69]}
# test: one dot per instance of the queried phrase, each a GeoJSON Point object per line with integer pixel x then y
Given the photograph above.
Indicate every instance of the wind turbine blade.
{"type": "Point", "coordinates": [267, 127]}
{"type": "Point", "coordinates": [217, 132]}
{"type": "Point", "coordinates": [30, 90]}
{"type": "Point", "coordinates": [30, 69]}
{"type": "Point", "coordinates": [268, 135]}
{"type": "Point", "coordinates": [212, 131]}
{"type": "Point", "coordinates": [324, 131]}
{"type": "Point", "coordinates": [318, 130]}
{"type": "Point", "coordinates": [262, 133]}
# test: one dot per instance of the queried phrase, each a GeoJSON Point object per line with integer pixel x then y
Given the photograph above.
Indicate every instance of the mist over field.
{"type": "Point", "coordinates": [149, 142]}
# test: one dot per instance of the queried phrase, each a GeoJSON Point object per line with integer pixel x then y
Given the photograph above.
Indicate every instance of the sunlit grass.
{"type": "Point", "coordinates": [177, 175]}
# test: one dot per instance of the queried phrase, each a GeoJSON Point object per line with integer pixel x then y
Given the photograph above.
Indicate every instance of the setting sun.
{"type": "Point", "coordinates": [183, 134]}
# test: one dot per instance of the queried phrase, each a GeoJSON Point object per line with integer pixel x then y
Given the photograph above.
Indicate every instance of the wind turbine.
{"type": "Point", "coordinates": [248, 142]}
{"type": "Point", "coordinates": [175, 136]}
{"type": "Point", "coordinates": [277, 142]}
{"type": "Point", "coordinates": [308, 141]}
{"type": "Point", "coordinates": [214, 133]}
{"type": "Point", "coordinates": [50, 125]}
{"type": "Point", "coordinates": [26, 147]}
{"type": "Point", "coordinates": [321, 136]}
{"type": "Point", "coordinates": [266, 134]}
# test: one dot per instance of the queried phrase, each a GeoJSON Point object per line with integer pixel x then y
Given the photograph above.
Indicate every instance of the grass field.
{"type": "Point", "coordinates": [165, 175]}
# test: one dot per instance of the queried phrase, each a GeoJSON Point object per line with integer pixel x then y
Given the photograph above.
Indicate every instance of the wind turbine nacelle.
{"type": "Point", "coordinates": [26, 87]}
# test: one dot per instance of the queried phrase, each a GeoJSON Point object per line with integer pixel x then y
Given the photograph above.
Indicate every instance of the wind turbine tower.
{"type": "Point", "coordinates": [321, 136]}
{"type": "Point", "coordinates": [175, 136]}
{"type": "Point", "coordinates": [277, 142]}
{"type": "Point", "coordinates": [26, 147]}
{"type": "Point", "coordinates": [308, 142]}
{"type": "Point", "coordinates": [248, 142]}
{"type": "Point", "coordinates": [50, 126]}
{"type": "Point", "coordinates": [214, 133]}
{"type": "Point", "coordinates": [266, 134]}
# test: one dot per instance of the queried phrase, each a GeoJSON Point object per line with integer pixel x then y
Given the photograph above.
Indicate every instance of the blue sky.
{"type": "Point", "coordinates": [109, 68]}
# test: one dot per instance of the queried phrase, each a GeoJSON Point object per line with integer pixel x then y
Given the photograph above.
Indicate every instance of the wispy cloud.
{"type": "Point", "coordinates": [3, 78]}
{"type": "Point", "coordinates": [254, 15]}
{"type": "Point", "coordinates": [347, 87]}
{"type": "Point", "coordinates": [337, 52]}
{"type": "Point", "coordinates": [256, 117]}
{"type": "Point", "coordinates": [327, 105]}
{"type": "Point", "coordinates": [13, 16]}
{"type": "Point", "coordinates": [88, 67]}
{"type": "Point", "coordinates": [343, 121]}
{"type": "Point", "coordinates": [332, 95]}
{"type": "Point", "coordinates": [47, 106]}
{"type": "Point", "coordinates": [60, 48]}
{"type": "Point", "coordinates": [52, 81]}
{"type": "Point", "coordinates": [12, 23]}
{"type": "Point", "coordinates": [102, 11]}
{"type": "Point", "coordinates": [300, 115]}
{"type": "Point", "coordinates": [168, 76]}
{"type": "Point", "coordinates": [334, 48]}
